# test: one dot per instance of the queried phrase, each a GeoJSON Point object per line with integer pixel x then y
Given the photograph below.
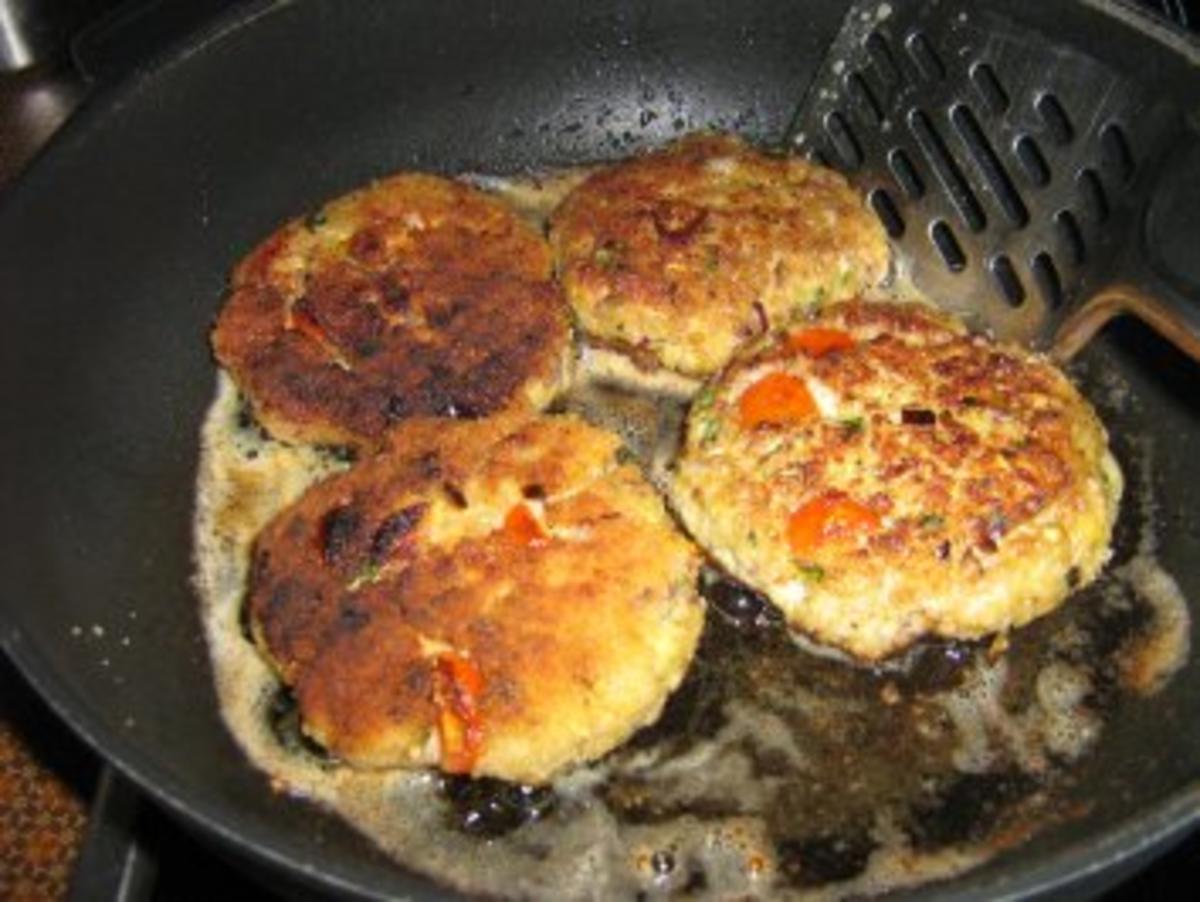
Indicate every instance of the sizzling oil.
{"type": "Point", "coordinates": [774, 770]}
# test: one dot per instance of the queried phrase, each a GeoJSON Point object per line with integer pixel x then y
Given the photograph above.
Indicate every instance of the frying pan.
{"type": "Point", "coordinates": [114, 250]}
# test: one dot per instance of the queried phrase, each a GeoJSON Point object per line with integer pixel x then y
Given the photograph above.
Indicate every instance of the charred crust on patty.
{"type": "Point", "coordinates": [389, 569]}
{"type": "Point", "coordinates": [417, 296]}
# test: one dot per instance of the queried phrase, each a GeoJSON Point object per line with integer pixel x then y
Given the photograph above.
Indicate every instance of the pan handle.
{"type": "Point", "coordinates": [1161, 276]}
{"type": "Point", "coordinates": [113, 864]}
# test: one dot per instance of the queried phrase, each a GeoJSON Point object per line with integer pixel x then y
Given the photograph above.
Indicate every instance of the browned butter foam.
{"type": "Point", "coordinates": [774, 771]}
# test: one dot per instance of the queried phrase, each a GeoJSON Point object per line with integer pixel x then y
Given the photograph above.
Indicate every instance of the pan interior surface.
{"type": "Point", "coordinates": [113, 257]}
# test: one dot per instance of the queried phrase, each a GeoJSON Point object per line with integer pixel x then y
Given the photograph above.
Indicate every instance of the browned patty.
{"type": "Point", "coordinates": [681, 255]}
{"type": "Point", "coordinates": [418, 296]}
{"type": "Point", "coordinates": [496, 599]}
{"type": "Point", "coordinates": [881, 474]}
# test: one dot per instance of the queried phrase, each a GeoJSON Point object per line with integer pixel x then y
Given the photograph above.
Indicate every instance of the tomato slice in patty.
{"type": "Point", "coordinates": [818, 341]}
{"type": "Point", "coordinates": [824, 518]}
{"type": "Point", "coordinates": [457, 686]}
{"type": "Point", "coordinates": [778, 398]}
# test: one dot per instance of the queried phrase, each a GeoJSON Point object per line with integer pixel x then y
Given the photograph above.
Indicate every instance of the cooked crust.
{"type": "Point", "coordinates": [684, 253]}
{"type": "Point", "coordinates": [943, 484]}
{"type": "Point", "coordinates": [418, 296]}
{"type": "Point", "coordinates": [577, 624]}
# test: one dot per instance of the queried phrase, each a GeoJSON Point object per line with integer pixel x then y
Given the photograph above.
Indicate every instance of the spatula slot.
{"type": "Point", "coordinates": [844, 140]}
{"type": "Point", "coordinates": [1115, 153]}
{"type": "Point", "coordinates": [1033, 164]}
{"type": "Point", "coordinates": [884, 60]}
{"type": "Point", "coordinates": [1069, 237]}
{"type": "Point", "coordinates": [989, 165]}
{"type": "Point", "coordinates": [864, 101]}
{"type": "Point", "coordinates": [1058, 123]}
{"type": "Point", "coordinates": [991, 93]}
{"type": "Point", "coordinates": [905, 173]}
{"type": "Point", "coordinates": [1045, 276]}
{"type": "Point", "coordinates": [927, 61]}
{"type": "Point", "coordinates": [947, 245]}
{"type": "Point", "coordinates": [1092, 195]}
{"type": "Point", "coordinates": [887, 211]}
{"type": "Point", "coordinates": [1007, 280]}
{"type": "Point", "coordinates": [948, 173]}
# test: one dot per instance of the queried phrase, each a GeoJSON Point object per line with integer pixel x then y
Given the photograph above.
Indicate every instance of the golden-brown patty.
{"type": "Point", "coordinates": [418, 296]}
{"type": "Point", "coordinates": [881, 475]}
{"type": "Point", "coordinates": [494, 597]}
{"type": "Point", "coordinates": [682, 254]}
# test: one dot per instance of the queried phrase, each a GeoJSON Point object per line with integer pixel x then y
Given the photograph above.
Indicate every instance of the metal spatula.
{"type": "Point", "coordinates": [1029, 186]}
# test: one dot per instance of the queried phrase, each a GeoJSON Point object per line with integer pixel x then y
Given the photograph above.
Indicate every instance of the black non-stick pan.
{"type": "Point", "coordinates": [115, 247]}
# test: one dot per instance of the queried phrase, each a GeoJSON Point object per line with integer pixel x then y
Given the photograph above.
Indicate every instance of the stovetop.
{"type": "Point", "coordinates": [132, 850]}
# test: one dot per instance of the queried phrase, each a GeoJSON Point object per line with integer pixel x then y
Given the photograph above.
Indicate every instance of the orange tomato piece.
{"type": "Point", "coordinates": [817, 342]}
{"type": "Point", "coordinates": [776, 398]}
{"type": "Point", "coordinates": [457, 686]}
{"type": "Point", "coordinates": [522, 527]}
{"type": "Point", "coordinates": [823, 518]}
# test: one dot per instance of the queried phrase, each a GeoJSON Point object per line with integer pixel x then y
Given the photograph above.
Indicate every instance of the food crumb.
{"type": "Point", "coordinates": [998, 647]}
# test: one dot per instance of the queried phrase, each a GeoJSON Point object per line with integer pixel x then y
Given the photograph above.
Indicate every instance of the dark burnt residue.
{"type": "Point", "coordinates": [869, 742]}
{"type": "Point", "coordinates": [246, 620]}
{"type": "Point", "coordinates": [248, 422]}
{"type": "Point", "coordinates": [1107, 630]}
{"type": "Point", "coordinates": [966, 808]}
{"type": "Point", "coordinates": [640, 803]}
{"type": "Point", "coordinates": [697, 880]}
{"type": "Point", "coordinates": [392, 532]}
{"type": "Point", "coordinates": [740, 605]}
{"type": "Point", "coordinates": [283, 718]}
{"type": "Point", "coordinates": [336, 532]}
{"type": "Point", "coordinates": [936, 666]}
{"type": "Point", "coordinates": [824, 857]}
{"type": "Point", "coordinates": [491, 808]}
{"type": "Point", "coordinates": [343, 454]}
{"type": "Point", "coordinates": [917, 416]}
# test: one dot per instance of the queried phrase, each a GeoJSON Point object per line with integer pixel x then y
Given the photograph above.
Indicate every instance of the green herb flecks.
{"type": "Point", "coordinates": [710, 429]}
{"type": "Point", "coordinates": [853, 425]}
{"type": "Point", "coordinates": [931, 522]}
{"type": "Point", "coordinates": [607, 256]}
{"type": "Point", "coordinates": [625, 455]}
{"type": "Point", "coordinates": [705, 398]}
{"type": "Point", "coordinates": [813, 573]}
{"type": "Point", "coordinates": [368, 574]}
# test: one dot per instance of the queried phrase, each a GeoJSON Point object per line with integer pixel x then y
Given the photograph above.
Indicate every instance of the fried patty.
{"type": "Point", "coordinates": [496, 598]}
{"type": "Point", "coordinates": [418, 296]}
{"type": "Point", "coordinates": [680, 255]}
{"type": "Point", "coordinates": [882, 475]}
